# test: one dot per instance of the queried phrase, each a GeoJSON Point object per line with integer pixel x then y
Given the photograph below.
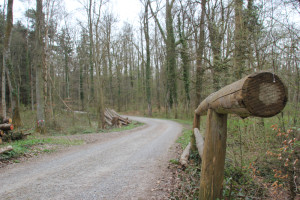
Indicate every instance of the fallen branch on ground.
{"type": "Point", "coordinates": [5, 149]}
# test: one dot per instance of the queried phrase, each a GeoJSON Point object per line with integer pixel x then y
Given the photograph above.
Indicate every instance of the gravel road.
{"type": "Point", "coordinates": [121, 166]}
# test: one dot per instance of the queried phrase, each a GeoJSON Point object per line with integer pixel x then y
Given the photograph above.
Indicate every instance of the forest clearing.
{"type": "Point", "coordinates": [227, 73]}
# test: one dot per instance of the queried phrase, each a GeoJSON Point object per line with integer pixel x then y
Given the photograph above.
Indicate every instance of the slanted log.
{"type": "Point", "coordinates": [259, 94]}
{"type": "Point", "coordinates": [6, 127]}
{"type": "Point", "coordinates": [5, 149]}
{"type": "Point", "coordinates": [199, 142]}
{"type": "Point", "coordinates": [185, 155]}
{"type": "Point", "coordinates": [108, 121]}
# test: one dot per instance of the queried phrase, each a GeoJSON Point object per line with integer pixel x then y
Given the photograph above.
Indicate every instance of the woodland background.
{"type": "Point", "coordinates": [181, 52]}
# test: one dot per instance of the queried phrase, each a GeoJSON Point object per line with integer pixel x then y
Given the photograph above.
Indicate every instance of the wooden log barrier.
{"type": "Point", "coordinates": [260, 94]}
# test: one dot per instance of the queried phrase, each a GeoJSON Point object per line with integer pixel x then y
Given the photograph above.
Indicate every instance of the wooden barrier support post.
{"type": "Point", "coordinates": [213, 161]}
{"type": "Point", "coordinates": [260, 94]}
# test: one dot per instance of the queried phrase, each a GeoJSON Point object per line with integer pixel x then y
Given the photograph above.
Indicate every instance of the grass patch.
{"type": "Point", "coordinates": [184, 122]}
{"type": "Point", "coordinates": [174, 161]}
{"type": "Point", "coordinates": [22, 147]}
{"type": "Point", "coordinates": [185, 138]}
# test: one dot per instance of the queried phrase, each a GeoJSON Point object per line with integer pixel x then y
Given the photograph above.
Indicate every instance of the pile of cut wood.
{"type": "Point", "coordinates": [112, 118]}
{"type": "Point", "coordinates": [5, 126]}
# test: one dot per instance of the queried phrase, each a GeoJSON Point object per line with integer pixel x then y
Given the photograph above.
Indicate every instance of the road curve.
{"type": "Point", "coordinates": [124, 167]}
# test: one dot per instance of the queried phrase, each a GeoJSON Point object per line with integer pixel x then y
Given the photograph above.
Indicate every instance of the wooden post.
{"type": "Point", "coordinates": [213, 161]}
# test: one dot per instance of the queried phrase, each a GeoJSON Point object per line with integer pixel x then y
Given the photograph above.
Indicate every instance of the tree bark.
{"type": "Point", "coordinates": [39, 47]}
{"type": "Point", "coordinates": [148, 67]}
{"type": "Point", "coordinates": [6, 52]}
{"type": "Point", "coordinates": [239, 41]}
{"type": "Point", "coordinates": [91, 46]}
{"type": "Point", "coordinates": [200, 51]}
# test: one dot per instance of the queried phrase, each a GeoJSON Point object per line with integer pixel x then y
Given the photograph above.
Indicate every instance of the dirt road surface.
{"type": "Point", "coordinates": [121, 166]}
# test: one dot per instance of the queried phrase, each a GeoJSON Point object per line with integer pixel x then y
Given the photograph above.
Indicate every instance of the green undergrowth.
{"type": "Point", "coordinates": [35, 145]}
{"type": "Point", "coordinates": [256, 160]}
{"type": "Point", "coordinates": [185, 138]}
{"type": "Point", "coordinates": [66, 123]}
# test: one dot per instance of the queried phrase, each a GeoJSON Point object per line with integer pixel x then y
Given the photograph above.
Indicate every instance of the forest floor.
{"type": "Point", "coordinates": [133, 164]}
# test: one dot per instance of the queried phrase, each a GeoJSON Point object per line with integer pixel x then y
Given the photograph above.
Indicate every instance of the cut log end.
{"type": "Point", "coordinates": [264, 94]}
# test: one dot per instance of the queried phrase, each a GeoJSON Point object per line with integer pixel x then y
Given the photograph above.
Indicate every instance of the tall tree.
{"type": "Point", "coordinates": [39, 52]}
{"type": "Point", "coordinates": [217, 26]}
{"type": "Point", "coordinates": [184, 52]}
{"type": "Point", "coordinates": [199, 53]}
{"type": "Point", "coordinates": [6, 52]}
{"type": "Point", "coordinates": [91, 47]}
{"type": "Point", "coordinates": [239, 40]}
{"type": "Point", "coordinates": [171, 66]}
{"type": "Point", "coordinates": [148, 61]}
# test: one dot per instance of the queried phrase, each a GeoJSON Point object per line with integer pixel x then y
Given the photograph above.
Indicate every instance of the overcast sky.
{"type": "Point", "coordinates": [125, 10]}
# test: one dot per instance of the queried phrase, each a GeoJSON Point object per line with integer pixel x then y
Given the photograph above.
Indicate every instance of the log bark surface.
{"type": "Point", "coordinates": [6, 127]}
{"type": "Point", "coordinates": [199, 142]}
{"type": "Point", "coordinates": [260, 94]}
{"type": "Point", "coordinates": [213, 160]}
{"type": "Point", "coordinates": [185, 155]}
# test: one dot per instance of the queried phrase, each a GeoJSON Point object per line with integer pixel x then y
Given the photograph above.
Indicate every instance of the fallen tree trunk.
{"type": "Point", "coordinates": [5, 149]}
{"type": "Point", "coordinates": [260, 94]}
{"type": "Point", "coordinates": [6, 127]}
{"type": "Point", "coordinates": [199, 142]}
{"type": "Point", "coordinates": [185, 155]}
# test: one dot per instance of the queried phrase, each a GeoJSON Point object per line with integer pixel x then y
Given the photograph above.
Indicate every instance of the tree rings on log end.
{"type": "Point", "coordinates": [264, 94]}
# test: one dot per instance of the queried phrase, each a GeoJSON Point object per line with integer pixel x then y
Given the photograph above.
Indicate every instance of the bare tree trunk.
{"type": "Point", "coordinates": [6, 52]}
{"type": "Point", "coordinates": [148, 69]}
{"type": "Point", "coordinates": [199, 52]}
{"type": "Point", "coordinates": [91, 46]}
{"type": "Point", "coordinates": [39, 67]}
{"type": "Point", "coordinates": [157, 71]}
{"type": "Point", "coordinates": [239, 50]}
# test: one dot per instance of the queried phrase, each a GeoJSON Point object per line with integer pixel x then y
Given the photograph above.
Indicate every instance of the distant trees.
{"type": "Point", "coordinates": [180, 52]}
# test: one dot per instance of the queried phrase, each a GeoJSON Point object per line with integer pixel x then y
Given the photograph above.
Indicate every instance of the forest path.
{"type": "Point", "coordinates": [118, 167]}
